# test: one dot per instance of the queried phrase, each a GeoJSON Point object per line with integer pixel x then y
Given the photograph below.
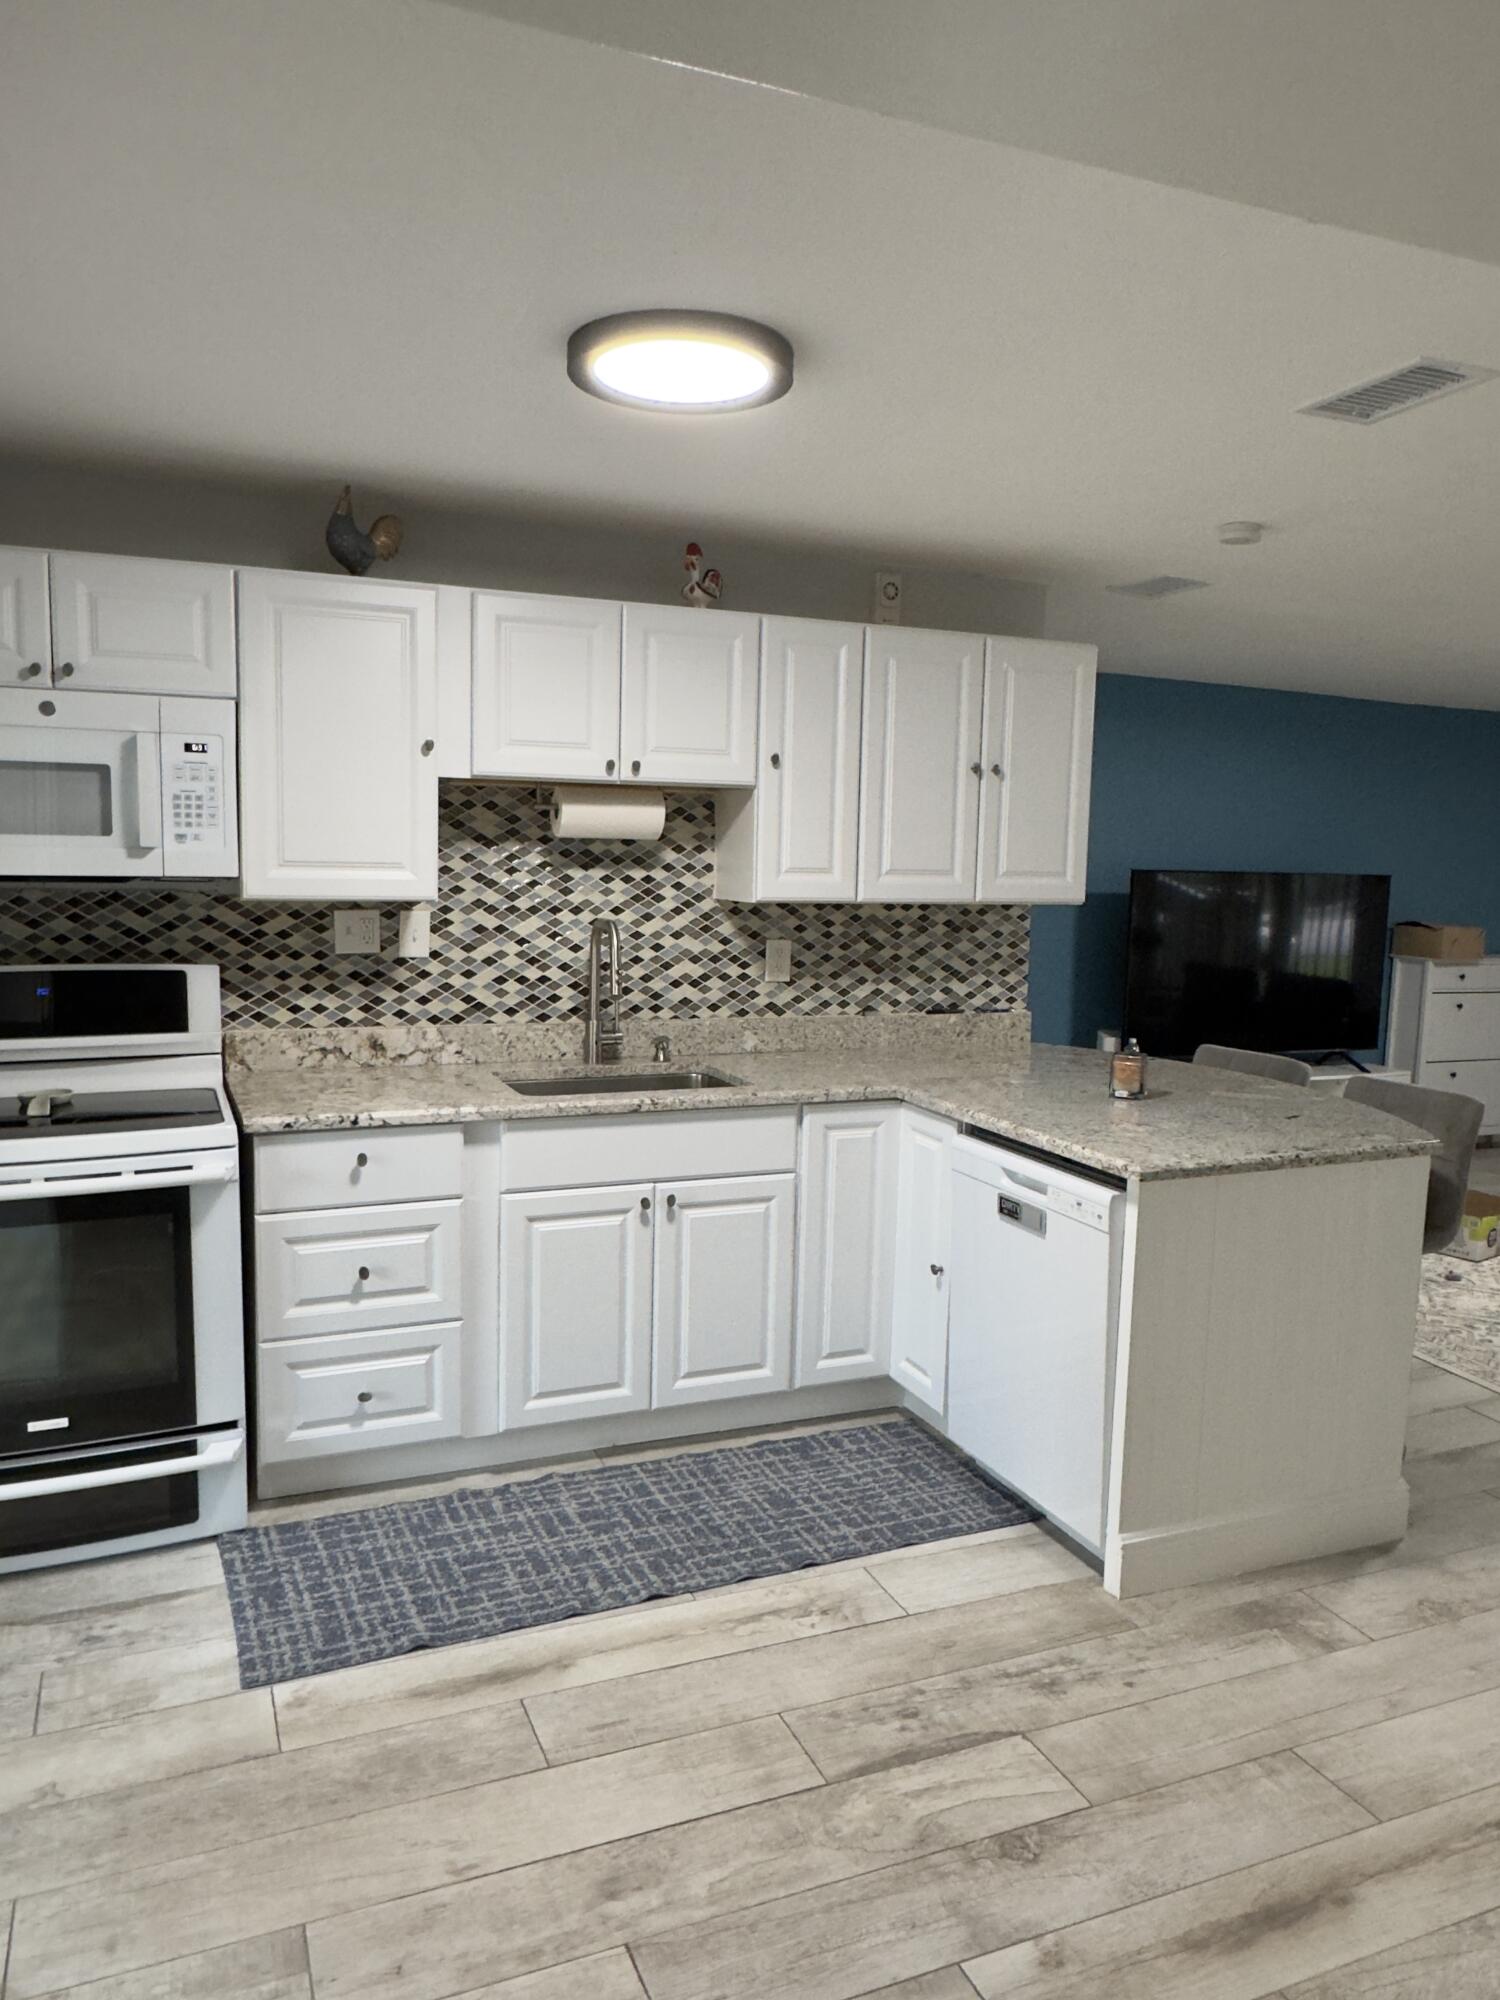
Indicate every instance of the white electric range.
{"type": "Point", "coordinates": [122, 1375]}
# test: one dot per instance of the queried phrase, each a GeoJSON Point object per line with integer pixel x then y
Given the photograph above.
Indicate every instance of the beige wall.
{"type": "Point", "coordinates": [71, 505]}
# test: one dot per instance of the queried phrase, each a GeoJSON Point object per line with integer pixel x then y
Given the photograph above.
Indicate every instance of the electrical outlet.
{"type": "Point", "coordinates": [356, 931]}
{"type": "Point", "coordinates": [778, 960]}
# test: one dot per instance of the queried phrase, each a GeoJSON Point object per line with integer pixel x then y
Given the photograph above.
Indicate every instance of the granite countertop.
{"type": "Point", "coordinates": [1195, 1120]}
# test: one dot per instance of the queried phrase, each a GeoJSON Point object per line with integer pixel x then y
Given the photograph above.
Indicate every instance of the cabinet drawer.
{"type": "Point", "coordinates": [1469, 1079]}
{"type": "Point", "coordinates": [353, 1169]}
{"type": "Point", "coordinates": [334, 1270]}
{"type": "Point", "coordinates": [1461, 1024]}
{"type": "Point", "coordinates": [1481, 977]}
{"type": "Point", "coordinates": [596, 1152]}
{"type": "Point", "coordinates": [357, 1391]}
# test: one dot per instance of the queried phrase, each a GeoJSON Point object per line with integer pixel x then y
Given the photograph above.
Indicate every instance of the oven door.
{"type": "Point", "coordinates": [80, 784]}
{"type": "Point", "coordinates": [99, 1340]}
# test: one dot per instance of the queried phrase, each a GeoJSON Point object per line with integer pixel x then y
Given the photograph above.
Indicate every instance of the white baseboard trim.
{"type": "Point", "coordinates": [1233, 1545]}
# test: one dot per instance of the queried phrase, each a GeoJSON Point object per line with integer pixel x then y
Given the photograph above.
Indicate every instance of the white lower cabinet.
{"type": "Point", "coordinates": [337, 1269]}
{"type": "Point", "coordinates": [575, 1303]}
{"type": "Point", "coordinates": [351, 1391]}
{"type": "Point", "coordinates": [919, 1324]}
{"type": "Point", "coordinates": [723, 1288]}
{"type": "Point", "coordinates": [846, 1254]}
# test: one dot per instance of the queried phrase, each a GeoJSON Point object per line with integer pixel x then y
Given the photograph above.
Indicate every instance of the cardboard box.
{"type": "Point", "coordinates": [1479, 1233]}
{"type": "Point", "coordinates": [1444, 942]}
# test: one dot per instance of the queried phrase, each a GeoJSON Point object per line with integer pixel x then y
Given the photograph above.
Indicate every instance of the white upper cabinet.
{"type": "Point", "coordinates": [546, 687]}
{"type": "Point", "coordinates": [920, 781]}
{"type": "Point", "coordinates": [142, 627]}
{"type": "Point", "coordinates": [337, 737]}
{"type": "Point", "coordinates": [795, 838]}
{"type": "Point", "coordinates": [1037, 758]}
{"type": "Point", "coordinates": [687, 710]}
{"type": "Point", "coordinates": [25, 628]}
{"type": "Point", "coordinates": [724, 1287]}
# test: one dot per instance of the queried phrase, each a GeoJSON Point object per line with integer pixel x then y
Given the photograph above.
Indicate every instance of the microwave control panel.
{"type": "Point", "coordinates": [200, 809]}
{"type": "Point", "coordinates": [195, 791]}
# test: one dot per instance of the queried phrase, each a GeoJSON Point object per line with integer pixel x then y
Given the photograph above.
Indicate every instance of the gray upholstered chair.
{"type": "Point", "coordinates": [1447, 1116]}
{"type": "Point", "coordinates": [1253, 1062]}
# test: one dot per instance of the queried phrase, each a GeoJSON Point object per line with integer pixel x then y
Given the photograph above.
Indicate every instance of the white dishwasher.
{"type": "Point", "coordinates": [1035, 1287]}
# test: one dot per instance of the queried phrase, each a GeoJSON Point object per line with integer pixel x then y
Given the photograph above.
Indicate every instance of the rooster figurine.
{"type": "Point", "coordinates": [348, 543]}
{"type": "Point", "coordinates": [703, 585]}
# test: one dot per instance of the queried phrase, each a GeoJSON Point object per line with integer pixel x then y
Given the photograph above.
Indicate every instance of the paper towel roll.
{"type": "Point", "coordinates": [607, 812]}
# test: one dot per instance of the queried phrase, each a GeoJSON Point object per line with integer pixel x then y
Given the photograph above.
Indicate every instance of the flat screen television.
{"type": "Point", "coordinates": [1294, 964]}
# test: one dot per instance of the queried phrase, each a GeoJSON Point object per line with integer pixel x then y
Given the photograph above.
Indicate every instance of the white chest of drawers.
{"type": "Point", "coordinates": [1445, 1027]}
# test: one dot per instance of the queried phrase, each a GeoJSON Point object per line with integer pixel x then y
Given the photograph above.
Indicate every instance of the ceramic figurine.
{"type": "Point", "coordinates": [703, 585]}
{"type": "Point", "coordinates": [351, 547]}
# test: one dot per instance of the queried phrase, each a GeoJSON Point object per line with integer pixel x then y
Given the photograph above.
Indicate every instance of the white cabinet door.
{"type": "Point", "coordinates": [575, 1303]}
{"type": "Point", "coordinates": [1037, 757]}
{"type": "Point", "coordinates": [919, 1323]}
{"type": "Point", "coordinates": [724, 1287]}
{"type": "Point", "coordinates": [687, 710]}
{"type": "Point", "coordinates": [337, 732]}
{"type": "Point", "coordinates": [25, 628]}
{"type": "Point", "coordinates": [847, 1196]}
{"type": "Point", "coordinates": [142, 626]}
{"type": "Point", "coordinates": [920, 781]}
{"type": "Point", "coordinates": [546, 688]}
{"type": "Point", "coordinates": [807, 831]}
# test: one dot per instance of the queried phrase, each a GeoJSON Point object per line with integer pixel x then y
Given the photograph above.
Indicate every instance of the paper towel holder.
{"type": "Point", "coordinates": [607, 812]}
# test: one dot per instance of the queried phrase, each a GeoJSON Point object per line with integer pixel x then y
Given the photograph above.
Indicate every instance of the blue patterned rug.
{"type": "Point", "coordinates": [310, 1596]}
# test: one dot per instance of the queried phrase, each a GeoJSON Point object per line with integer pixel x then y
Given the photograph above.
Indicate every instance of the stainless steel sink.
{"type": "Point", "coordinates": [612, 1083]}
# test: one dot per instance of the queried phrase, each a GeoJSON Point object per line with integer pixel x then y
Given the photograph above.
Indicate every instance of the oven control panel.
{"type": "Point", "coordinates": [195, 791]}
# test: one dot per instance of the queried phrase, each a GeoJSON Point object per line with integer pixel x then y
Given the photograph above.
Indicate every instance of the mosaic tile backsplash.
{"type": "Point", "coordinates": [509, 935]}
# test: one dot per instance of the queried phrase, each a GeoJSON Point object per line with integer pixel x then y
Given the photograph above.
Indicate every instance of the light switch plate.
{"type": "Point", "coordinates": [778, 960]}
{"type": "Point", "coordinates": [356, 931]}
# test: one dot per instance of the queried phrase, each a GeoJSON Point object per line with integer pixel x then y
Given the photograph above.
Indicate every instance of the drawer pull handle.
{"type": "Point", "coordinates": [364, 1272]}
{"type": "Point", "coordinates": [365, 1396]}
{"type": "Point", "coordinates": [1458, 1006]}
{"type": "Point", "coordinates": [361, 1159]}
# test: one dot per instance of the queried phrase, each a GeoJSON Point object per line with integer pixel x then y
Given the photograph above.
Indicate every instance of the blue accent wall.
{"type": "Point", "coordinates": [1192, 774]}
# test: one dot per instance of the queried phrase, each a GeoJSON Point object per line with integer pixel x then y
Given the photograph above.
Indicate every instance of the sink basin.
{"type": "Point", "coordinates": [617, 1082]}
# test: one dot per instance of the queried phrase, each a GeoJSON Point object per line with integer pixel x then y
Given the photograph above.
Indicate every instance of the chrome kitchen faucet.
{"type": "Point", "coordinates": [603, 1037]}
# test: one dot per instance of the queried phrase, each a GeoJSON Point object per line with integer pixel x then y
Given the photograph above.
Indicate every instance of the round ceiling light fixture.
{"type": "Point", "coordinates": [689, 362]}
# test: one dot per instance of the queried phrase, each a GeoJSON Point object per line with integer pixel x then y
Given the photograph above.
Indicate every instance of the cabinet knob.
{"type": "Point", "coordinates": [361, 1159]}
{"type": "Point", "coordinates": [46, 708]}
{"type": "Point", "coordinates": [1453, 1076]}
{"type": "Point", "coordinates": [635, 767]}
{"type": "Point", "coordinates": [997, 770]}
{"type": "Point", "coordinates": [33, 672]}
{"type": "Point", "coordinates": [609, 767]}
{"type": "Point", "coordinates": [977, 769]}
{"type": "Point", "coordinates": [428, 747]}
{"type": "Point", "coordinates": [65, 671]}
{"type": "Point", "coordinates": [645, 1204]}
{"type": "Point", "coordinates": [364, 1272]}
{"type": "Point", "coordinates": [671, 1203]}
{"type": "Point", "coordinates": [365, 1396]}
{"type": "Point", "coordinates": [775, 760]}
{"type": "Point", "coordinates": [1458, 1006]}
{"type": "Point", "coordinates": [936, 1270]}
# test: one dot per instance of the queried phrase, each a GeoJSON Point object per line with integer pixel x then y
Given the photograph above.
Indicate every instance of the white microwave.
{"type": "Point", "coordinates": [117, 785]}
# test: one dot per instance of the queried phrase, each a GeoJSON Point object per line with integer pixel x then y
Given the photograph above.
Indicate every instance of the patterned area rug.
{"type": "Point", "coordinates": [1458, 1317]}
{"type": "Point", "coordinates": [310, 1596]}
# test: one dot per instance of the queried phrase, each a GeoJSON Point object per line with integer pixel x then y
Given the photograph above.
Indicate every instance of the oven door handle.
{"type": "Point", "coordinates": [217, 1452]}
{"type": "Point", "coordinates": [58, 1187]}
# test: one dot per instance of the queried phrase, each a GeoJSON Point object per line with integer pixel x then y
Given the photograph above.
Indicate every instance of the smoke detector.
{"type": "Point", "coordinates": [1421, 381]}
{"type": "Point", "coordinates": [1240, 534]}
{"type": "Point", "coordinates": [1157, 586]}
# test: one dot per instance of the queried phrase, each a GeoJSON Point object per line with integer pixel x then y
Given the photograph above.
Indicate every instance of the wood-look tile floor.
{"type": "Point", "coordinates": [936, 1774]}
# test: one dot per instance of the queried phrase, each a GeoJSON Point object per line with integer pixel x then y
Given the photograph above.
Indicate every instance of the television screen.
{"type": "Point", "coordinates": [1289, 963]}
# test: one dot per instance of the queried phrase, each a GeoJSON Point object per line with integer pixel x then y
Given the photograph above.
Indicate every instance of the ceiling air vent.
{"type": "Point", "coordinates": [1157, 586]}
{"type": "Point", "coordinates": [1388, 395]}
